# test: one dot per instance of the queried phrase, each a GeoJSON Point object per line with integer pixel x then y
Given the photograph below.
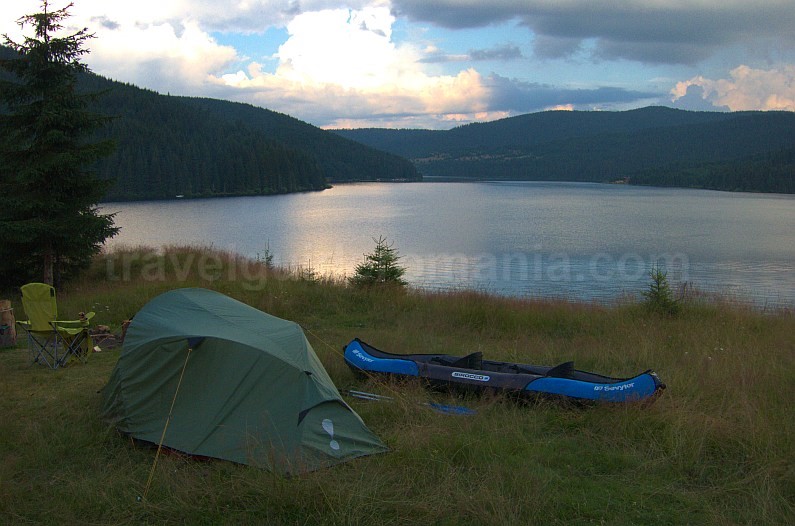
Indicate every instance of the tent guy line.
{"type": "Point", "coordinates": [165, 427]}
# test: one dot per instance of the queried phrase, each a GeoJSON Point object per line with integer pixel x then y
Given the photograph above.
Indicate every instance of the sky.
{"type": "Point", "coordinates": [441, 63]}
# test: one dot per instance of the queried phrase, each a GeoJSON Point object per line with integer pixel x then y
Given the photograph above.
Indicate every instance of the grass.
{"type": "Point", "coordinates": [716, 448]}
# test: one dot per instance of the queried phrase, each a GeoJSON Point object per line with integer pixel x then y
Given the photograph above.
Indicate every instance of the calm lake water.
{"type": "Point", "coordinates": [572, 240]}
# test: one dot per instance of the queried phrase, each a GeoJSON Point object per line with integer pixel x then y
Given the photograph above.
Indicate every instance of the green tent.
{"type": "Point", "coordinates": [253, 391]}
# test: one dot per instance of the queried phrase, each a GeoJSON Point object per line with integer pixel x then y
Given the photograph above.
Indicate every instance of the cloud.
{"type": "Point", "coordinates": [501, 53]}
{"type": "Point", "coordinates": [212, 15]}
{"type": "Point", "coordinates": [505, 52]}
{"type": "Point", "coordinates": [653, 52]}
{"type": "Point", "coordinates": [746, 89]}
{"type": "Point", "coordinates": [459, 14]}
{"type": "Point", "coordinates": [337, 66]}
{"type": "Point", "coordinates": [164, 57]}
{"type": "Point", "coordinates": [442, 58]}
{"type": "Point", "coordinates": [356, 49]}
{"type": "Point", "coordinates": [522, 97]}
{"type": "Point", "coordinates": [693, 99]}
{"type": "Point", "coordinates": [148, 42]}
{"type": "Point", "coordinates": [429, 102]}
{"type": "Point", "coordinates": [358, 74]}
{"type": "Point", "coordinates": [355, 65]}
{"type": "Point", "coordinates": [650, 31]}
{"type": "Point", "coordinates": [545, 46]}
{"type": "Point", "coordinates": [105, 22]}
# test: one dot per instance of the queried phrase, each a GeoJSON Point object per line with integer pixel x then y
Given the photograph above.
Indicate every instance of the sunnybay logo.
{"type": "Point", "coordinates": [470, 376]}
{"type": "Point", "coordinates": [621, 387]}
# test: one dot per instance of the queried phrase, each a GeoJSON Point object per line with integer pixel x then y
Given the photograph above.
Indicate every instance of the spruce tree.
{"type": "Point", "coordinates": [380, 266]}
{"type": "Point", "coordinates": [659, 297]}
{"type": "Point", "coordinates": [50, 225]}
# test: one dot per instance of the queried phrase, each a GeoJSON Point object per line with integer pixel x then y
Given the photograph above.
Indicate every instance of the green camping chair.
{"type": "Point", "coordinates": [51, 341]}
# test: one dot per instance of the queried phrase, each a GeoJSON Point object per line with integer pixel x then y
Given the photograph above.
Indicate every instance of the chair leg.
{"type": "Point", "coordinates": [56, 349]}
{"type": "Point", "coordinates": [40, 350]}
{"type": "Point", "coordinates": [77, 346]}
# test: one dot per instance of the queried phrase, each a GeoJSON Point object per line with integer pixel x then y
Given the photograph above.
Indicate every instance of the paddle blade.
{"type": "Point", "coordinates": [451, 409]}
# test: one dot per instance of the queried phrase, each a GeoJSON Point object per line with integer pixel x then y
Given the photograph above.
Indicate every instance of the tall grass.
{"type": "Point", "coordinates": [715, 448]}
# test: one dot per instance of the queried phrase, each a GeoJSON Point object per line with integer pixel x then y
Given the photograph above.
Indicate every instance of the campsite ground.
{"type": "Point", "coordinates": [716, 448]}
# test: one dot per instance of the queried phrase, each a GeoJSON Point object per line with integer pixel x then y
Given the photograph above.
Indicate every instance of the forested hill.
{"type": "Point", "coordinates": [749, 151]}
{"type": "Point", "coordinates": [169, 146]}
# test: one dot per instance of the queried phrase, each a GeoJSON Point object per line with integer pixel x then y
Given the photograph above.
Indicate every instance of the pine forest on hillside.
{"type": "Point", "coordinates": [746, 151]}
{"type": "Point", "coordinates": [168, 146]}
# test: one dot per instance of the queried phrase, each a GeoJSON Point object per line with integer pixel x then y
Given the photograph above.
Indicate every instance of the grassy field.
{"type": "Point", "coordinates": [715, 448]}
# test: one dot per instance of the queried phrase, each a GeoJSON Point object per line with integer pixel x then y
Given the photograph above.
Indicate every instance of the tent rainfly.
{"type": "Point", "coordinates": [253, 391]}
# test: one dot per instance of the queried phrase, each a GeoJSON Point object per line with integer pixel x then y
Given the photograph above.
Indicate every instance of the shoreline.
{"type": "Point", "coordinates": [121, 260]}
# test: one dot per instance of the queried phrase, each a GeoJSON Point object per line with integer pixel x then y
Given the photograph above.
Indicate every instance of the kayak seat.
{"type": "Point", "coordinates": [563, 370]}
{"type": "Point", "coordinates": [470, 361]}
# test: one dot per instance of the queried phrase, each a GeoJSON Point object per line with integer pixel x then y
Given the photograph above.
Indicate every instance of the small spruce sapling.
{"type": "Point", "coordinates": [266, 258]}
{"type": "Point", "coordinates": [380, 267]}
{"type": "Point", "coordinates": [659, 297]}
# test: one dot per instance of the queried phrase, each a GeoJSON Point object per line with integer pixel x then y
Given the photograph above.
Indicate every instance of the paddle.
{"type": "Point", "coordinates": [439, 408]}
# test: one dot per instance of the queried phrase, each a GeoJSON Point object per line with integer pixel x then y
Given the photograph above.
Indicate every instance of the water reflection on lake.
{"type": "Point", "coordinates": [580, 241]}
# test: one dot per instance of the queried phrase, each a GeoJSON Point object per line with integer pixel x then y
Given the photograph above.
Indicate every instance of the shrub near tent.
{"type": "Point", "coordinates": [253, 390]}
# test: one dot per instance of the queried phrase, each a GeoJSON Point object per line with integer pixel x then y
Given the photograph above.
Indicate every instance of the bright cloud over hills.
{"type": "Point", "coordinates": [437, 63]}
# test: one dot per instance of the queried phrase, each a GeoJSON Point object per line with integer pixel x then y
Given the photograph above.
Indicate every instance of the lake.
{"type": "Point", "coordinates": [580, 241]}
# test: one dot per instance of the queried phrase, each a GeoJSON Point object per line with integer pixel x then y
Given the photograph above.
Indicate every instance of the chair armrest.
{"type": "Point", "coordinates": [85, 321]}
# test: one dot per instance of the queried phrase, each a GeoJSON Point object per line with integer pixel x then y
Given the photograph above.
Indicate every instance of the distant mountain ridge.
{"type": "Point", "coordinates": [193, 147]}
{"type": "Point", "coordinates": [654, 145]}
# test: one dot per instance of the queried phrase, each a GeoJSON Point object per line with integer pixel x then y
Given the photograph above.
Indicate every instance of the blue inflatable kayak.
{"type": "Point", "coordinates": [473, 372]}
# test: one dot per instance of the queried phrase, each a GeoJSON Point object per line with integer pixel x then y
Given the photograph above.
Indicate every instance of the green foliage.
{"type": "Point", "coordinates": [380, 266]}
{"type": "Point", "coordinates": [308, 273]}
{"type": "Point", "coordinates": [767, 172]}
{"type": "Point", "coordinates": [748, 151]}
{"type": "Point", "coordinates": [339, 159]}
{"type": "Point", "coordinates": [266, 258]}
{"type": "Point", "coordinates": [659, 297]}
{"type": "Point", "coordinates": [50, 226]}
{"type": "Point", "coordinates": [170, 146]}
